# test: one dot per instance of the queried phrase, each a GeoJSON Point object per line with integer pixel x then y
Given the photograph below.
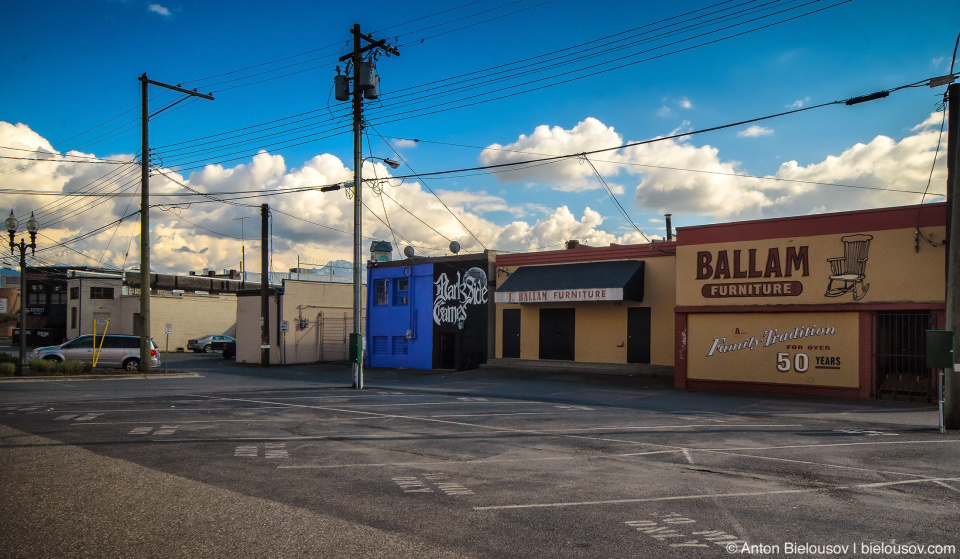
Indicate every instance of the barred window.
{"type": "Point", "coordinates": [383, 292]}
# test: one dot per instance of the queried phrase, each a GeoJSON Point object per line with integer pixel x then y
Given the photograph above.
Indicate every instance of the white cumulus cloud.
{"type": "Point", "coordinates": [564, 174]}
{"type": "Point", "coordinates": [158, 9]}
{"type": "Point", "coordinates": [400, 143]}
{"type": "Point", "coordinates": [755, 131]}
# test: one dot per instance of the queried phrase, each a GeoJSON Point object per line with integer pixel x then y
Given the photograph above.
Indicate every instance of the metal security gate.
{"type": "Point", "coordinates": [901, 373]}
{"type": "Point", "coordinates": [335, 329]}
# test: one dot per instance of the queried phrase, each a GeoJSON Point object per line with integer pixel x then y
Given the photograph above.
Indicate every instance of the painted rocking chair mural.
{"type": "Point", "coordinates": [848, 271]}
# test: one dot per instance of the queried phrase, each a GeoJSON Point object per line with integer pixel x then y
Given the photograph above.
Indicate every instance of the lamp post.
{"type": "Point", "coordinates": [357, 274]}
{"type": "Point", "coordinates": [32, 227]}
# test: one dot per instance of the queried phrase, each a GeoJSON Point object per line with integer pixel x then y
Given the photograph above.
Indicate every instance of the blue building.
{"type": "Point", "coordinates": [429, 313]}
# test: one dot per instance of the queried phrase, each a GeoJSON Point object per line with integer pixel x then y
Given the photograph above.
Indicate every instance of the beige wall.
{"type": "Point", "coordinates": [190, 316]}
{"type": "Point", "coordinates": [322, 305]}
{"type": "Point", "coordinates": [248, 329]}
{"type": "Point", "coordinates": [87, 309]}
{"type": "Point", "coordinates": [601, 326]}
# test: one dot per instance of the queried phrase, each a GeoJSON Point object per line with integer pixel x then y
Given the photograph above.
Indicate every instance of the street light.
{"type": "Point", "coordinates": [393, 164]}
{"type": "Point", "coordinates": [32, 227]}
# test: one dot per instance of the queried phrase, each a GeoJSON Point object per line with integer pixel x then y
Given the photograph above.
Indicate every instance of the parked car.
{"type": "Point", "coordinates": [114, 351]}
{"type": "Point", "coordinates": [209, 344]}
{"type": "Point", "coordinates": [230, 350]}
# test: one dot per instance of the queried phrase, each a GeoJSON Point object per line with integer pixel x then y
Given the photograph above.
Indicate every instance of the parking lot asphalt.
{"type": "Point", "coordinates": [242, 461]}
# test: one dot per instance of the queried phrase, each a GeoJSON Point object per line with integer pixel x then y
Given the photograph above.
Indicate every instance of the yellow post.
{"type": "Point", "coordinates": [96, 349]}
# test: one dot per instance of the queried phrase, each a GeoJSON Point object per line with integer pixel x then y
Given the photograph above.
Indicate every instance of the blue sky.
{"type": "Point", "coordinates": [70, 83]}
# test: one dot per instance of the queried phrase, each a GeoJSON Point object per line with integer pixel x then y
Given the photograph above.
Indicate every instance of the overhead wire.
{"type": "Point", "coordinates": [665, 167]}
{"type": "Point", "coordinates": [377, 189]}
{"type": "Point", "coordinates": [613, 197]}
{"type": "Point", "coordinates": [501, 16]}
{"type": "Point", "coordinates": [478, 99]}
{"type": "Point", "coordinates": [942, 107]}
{"type": "Point", "coordinates": [427, 186]}
{"type": "Point", "coordinates": [469, 98]}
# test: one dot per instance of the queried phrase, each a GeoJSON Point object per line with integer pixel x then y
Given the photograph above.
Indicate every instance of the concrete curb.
{"type": "Point", "coordinates": [67, 378]}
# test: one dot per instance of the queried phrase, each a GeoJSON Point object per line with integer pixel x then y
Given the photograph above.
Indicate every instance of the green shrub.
{"type": "Point", "coordinates": [52, 367]}
{"type": "Point", "coordinates": [8, 358]}
{"type": "Point", "coordinates": [72, 367]}
{"type": "Point", "coordinates": [7, 369]}
{"type": "Point", "coordinates": [43, 366]}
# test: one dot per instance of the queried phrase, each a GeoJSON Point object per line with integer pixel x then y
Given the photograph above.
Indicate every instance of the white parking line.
{"type": "Point", "coordinates": [685, 426]}
{"type": "Point", "coordinates": [716, 495]}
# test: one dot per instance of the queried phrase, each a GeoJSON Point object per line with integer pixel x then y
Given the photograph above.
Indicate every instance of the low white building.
{"type": "Point", "coordinates": [94, 298]}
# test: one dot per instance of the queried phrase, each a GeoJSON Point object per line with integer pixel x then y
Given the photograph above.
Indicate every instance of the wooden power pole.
{"type": "Point", "coordinates": [145, 348]}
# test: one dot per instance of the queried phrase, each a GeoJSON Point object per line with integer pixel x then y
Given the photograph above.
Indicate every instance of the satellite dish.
{"type": "Point", "coordinates": [454, 247]}
{"type": "Point", "coordinates": [408, 252]}
{"type": "Point", "coordinates": [476, 276]}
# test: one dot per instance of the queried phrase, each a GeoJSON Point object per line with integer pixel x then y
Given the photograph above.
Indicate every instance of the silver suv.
{"type": "Point", "coordinates": [114, 351]}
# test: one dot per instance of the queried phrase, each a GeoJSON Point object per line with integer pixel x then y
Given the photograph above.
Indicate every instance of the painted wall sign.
{"type": "Point", "coordinates": [819, 349]}
{"type": "Point", "coordinates": [725, 266]}
{"type": "Point", "coordinates": [734, 264]}
{"type": "Point", "coordinates": [861, 265]}
{"type": "Point", "coordinates": [753, 289]}
{"type": "Point", "coordinates": [560, 295]}
{"type": "Point", "coordinates": [452, 298]}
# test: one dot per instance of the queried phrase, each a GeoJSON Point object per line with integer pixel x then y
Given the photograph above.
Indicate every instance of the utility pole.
{"type": "Point", "coordinates": [243, 249]}
{"type": "Point", "coordinates": [365, 83]}
{"type": "Point", "coordinates": [264, 287]}
{"type": "Point", "coordinates": [145, 349]}
{"type": "Point", "coordinates": [951, 405]}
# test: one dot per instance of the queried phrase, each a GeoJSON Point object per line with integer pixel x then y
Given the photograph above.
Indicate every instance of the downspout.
{"type": "Point", "coordinates": [319, 338]}
{"type": "Point", "coordinates": [412, 307]}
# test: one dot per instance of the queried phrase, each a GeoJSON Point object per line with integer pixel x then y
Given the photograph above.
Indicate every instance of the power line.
{"type": "Point", "coordinates": [664, 167]}
{"type": "Point", "coordinates": [427, 186]}
{"type": "Point", "coordinates": [617, 56]}
{"type": "Point", "coordinates": [613, 197]}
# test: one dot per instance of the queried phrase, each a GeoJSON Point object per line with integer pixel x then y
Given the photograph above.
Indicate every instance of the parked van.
{"type": "Point", "coordinates": [115, 351]}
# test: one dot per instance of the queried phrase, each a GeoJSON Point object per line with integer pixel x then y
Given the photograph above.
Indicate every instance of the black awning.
{"type": "Point", "coordinates": [620, 280]}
